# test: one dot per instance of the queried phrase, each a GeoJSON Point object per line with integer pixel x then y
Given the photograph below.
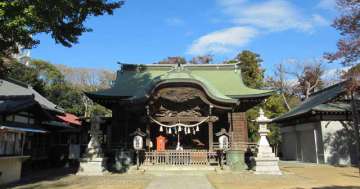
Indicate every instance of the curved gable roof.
{"type": "Point", "coordinates": [221, 81]}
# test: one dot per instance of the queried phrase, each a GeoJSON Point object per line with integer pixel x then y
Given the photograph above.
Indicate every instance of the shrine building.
{"type": "Point", "coordinates": [179, 107]}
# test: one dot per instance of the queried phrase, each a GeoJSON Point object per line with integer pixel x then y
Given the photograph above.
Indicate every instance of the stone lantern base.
{"type": "Point", "coordinates": [266, 162]}
{"type": "Point", "coordinates": [92, 167]}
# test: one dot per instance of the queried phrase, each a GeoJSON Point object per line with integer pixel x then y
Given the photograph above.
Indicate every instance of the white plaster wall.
{"type": "Point", "coordinates": [10, 169]}
{"type": "Point", "coordinates": [337, 143]}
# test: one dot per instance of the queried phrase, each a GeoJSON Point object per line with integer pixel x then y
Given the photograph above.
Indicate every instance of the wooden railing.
{"type": "Point", "coordinates": [178, 157]}
{"type": "Point", "coordinates": [237, 145]}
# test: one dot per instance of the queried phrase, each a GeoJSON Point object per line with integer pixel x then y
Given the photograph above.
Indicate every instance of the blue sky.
{"type": "Point", "coordinates": [149, 31]}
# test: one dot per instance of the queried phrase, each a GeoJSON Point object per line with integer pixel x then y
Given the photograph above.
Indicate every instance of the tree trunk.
{"type": "Point", "coordinates": [286, 102]}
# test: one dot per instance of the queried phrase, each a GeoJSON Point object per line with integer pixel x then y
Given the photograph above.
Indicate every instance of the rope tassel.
{"type": "Point", "coordinates": [161, 129]}
{"type": "Point", "coordinates": [197, 128]}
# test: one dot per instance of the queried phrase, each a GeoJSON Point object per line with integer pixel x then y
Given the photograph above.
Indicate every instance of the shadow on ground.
{"type": "Point", "coordinates": [337, 187]}
{"type": "Point", "coordinates": [332, 187]}
{"type": "Point", "coordinates": [43, 175]}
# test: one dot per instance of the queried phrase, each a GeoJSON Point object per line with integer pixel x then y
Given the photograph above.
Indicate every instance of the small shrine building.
{"type": "Point", "coordinates": [180, 106]}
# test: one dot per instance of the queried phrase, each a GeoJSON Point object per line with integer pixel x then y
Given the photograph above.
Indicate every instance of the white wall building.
{"type": "Point", "coordinates": [319, 130]}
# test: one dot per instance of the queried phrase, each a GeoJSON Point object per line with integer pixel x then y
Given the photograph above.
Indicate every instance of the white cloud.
{"type": "Point", "coordinates": [331, 74]}
{"type": "Point", "coordinates": [327, 4]}
{"type": "Point", "coordinates": [222, 41]}
{"type": "Point", "coordinates": [174, 21]}
{"type": "Point", "coordinates": [319, 20]}
{"type": "Point", "coordinates": [251, 17]}
{"type": "Point", "coordinates": [273, 15]}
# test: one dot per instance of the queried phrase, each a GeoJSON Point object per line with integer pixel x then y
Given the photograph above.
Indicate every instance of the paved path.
{"type": "Point", "coordinates": [180, 182]}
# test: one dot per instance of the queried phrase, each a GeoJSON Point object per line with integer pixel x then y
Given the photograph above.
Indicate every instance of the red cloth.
{"type": "Point", "coordinates": [70, 119]}
{"type": "Point", "coordinates": [160, 143]}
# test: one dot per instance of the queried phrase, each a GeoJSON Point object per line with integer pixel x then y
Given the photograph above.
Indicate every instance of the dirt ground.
{"type": "Point", "coordinates": [111, 181]}
{"type": "Point", "coordinates": [296, 176]}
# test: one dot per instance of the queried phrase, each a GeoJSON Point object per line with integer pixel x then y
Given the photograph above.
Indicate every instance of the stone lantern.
{"type": "Point", "coordinates": [93, 161]}
{"type": "Point", "coordinates": [266, 161]}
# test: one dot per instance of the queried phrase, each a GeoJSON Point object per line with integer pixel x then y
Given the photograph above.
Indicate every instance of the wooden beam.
{"type": "Point", "coordinates": [184, 119]}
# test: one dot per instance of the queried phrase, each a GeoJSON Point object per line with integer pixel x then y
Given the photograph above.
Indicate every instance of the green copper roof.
{"type": "Point", "coordinates": [320, 101]}
{"type": "Point", "coordinates": [221, 82]}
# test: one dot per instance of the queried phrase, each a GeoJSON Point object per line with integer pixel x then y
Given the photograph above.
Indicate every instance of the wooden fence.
{"type": "Point", "coordinates": [179, 157]}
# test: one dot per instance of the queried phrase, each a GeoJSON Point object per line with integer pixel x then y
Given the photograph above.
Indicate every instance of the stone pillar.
{"type": "Point", "coordinates": [93, 161]}
{"type": "Point", "coordinates": [266, 162]}
{"type": "Point", "coordinates": [211, 136]}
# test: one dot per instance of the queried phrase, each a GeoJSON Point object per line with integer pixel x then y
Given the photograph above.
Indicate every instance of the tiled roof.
{"type": "Point", "coordinates": [321, 101]}
{"type": "Point", "coordinates": [10, 87]}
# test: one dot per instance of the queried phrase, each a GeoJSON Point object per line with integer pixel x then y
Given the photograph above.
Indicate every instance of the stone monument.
{"type": "Point", "coordinates": [266, 161]}
{"type": "Point", "coordinates": [93, 161]}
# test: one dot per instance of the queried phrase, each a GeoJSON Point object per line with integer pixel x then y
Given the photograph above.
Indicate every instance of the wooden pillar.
{"type": "Point", "coordinates": [126, 129]}
{"type": "Point", "coordinates": [211, 136]}
{"type": "Point", "coordinates": [108, 134]}
{"type": "Point", "coordinates": [148, 139]}
{"type": "Point", "coordinates": [240, 132]}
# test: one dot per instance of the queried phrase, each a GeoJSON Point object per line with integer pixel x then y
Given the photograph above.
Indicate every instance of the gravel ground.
{"type": "Point", "coordinates": [296, 176]}
{"type": "Point", "coordinates": [110, 181]}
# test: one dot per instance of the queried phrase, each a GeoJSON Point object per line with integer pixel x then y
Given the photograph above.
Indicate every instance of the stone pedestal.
{"type": "Point", "coordinates": [93, 163]}
{"type": "Point", "coordinates": [266, 161]}
{"type": "Point", "coordinates": [93, 167]}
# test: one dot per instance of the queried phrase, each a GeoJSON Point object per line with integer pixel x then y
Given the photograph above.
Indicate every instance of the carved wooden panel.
{"type": "Point", "coordinates": [179, 94]}
{"type": "Point", "coordinates": [179, 102]}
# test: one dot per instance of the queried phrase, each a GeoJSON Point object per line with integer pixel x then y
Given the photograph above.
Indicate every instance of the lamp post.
{"type": "Point", "coordinates": [138, 144]}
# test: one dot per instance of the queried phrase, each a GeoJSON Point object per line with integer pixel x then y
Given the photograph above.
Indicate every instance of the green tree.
{"type": "Point", "coordinates": [47, 72]}
{"type": "Point", "coordinates": [250, 63]}
{"type": "Point", "coordinates": [50, 82]}
{"type": "Point", "coordinates": [28, 75]}
{"type": "Point", "coordinates": [253, 77]}
{"type": "Point", "coordinates": [62, 19]}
